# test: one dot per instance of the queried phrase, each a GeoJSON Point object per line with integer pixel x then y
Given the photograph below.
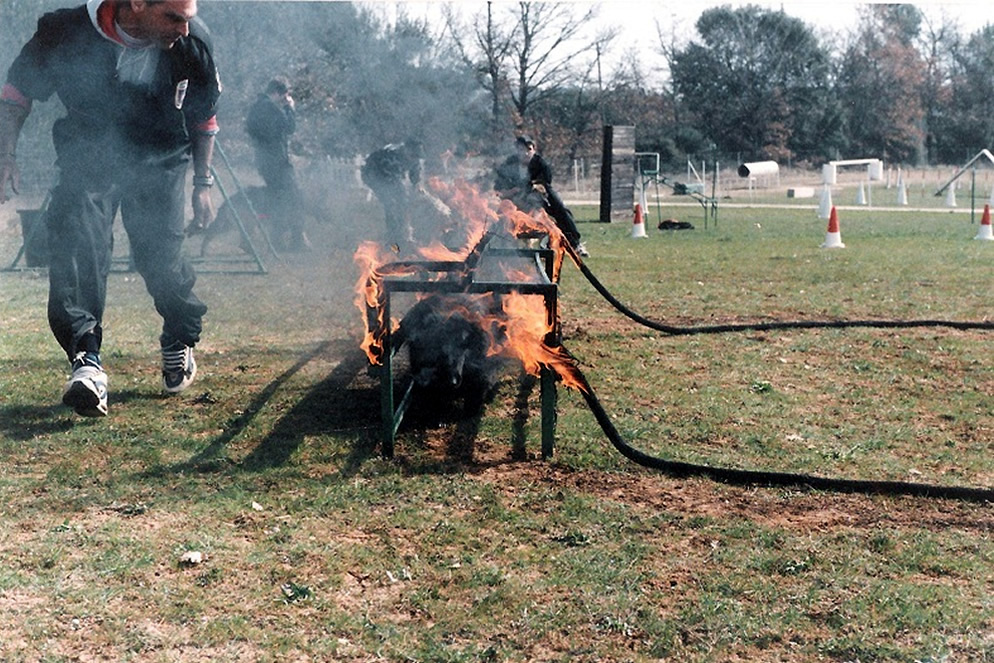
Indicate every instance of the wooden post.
{"type": "Point", "coordinates": [617, 174]}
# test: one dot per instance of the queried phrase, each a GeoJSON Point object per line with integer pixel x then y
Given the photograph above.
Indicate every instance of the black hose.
{"type": "Point", "coordinates": [764, 326]}
{"type": "Point", "coordinates": [761, 477]}
{"type": "Point", "coordinates": [764, 478]}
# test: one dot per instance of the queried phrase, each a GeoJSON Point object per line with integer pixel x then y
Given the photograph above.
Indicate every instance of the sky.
{"type": "Point", "coordinates": [638, 19]}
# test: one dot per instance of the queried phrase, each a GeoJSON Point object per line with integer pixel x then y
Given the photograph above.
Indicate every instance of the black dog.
{"type": "Point", "coordinates": [673, 224]}
{"type": "Point", "coordinates": [449, 340]}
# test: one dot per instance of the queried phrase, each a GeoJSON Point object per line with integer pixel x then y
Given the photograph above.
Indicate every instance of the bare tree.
{"type": "Point", "coordinates": [549, 49]}
{"type": "Point", "coordinates": [486, 56]}
{"type": "Point", "coordinates": [528, 52]}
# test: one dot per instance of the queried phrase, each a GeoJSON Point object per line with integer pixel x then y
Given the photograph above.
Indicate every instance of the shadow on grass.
{"type": "Point", "coordinates": [22, 423]}
{"type": "Point", "coordinates": [332, 405]}
{"type": "Point", "coordinates": [457, 433]}
{"type": "Point", "coordinates": [328, 406]}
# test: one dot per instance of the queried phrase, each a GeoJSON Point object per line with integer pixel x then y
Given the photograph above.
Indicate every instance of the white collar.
{"type": "Point", "coordinates": [122, 37]}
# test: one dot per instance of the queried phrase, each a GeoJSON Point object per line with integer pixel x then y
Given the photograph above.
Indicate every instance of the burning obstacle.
{"type": "Point", "coordinates": [457, 348]}
{"type": "Point", "coordinates": [478, 307]}
{"type": "Point", "coordinates": [451, 341]}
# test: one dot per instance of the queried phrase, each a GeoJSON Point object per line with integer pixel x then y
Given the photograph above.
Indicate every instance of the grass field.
{"type": "Point", "coordinates": [315, 548]}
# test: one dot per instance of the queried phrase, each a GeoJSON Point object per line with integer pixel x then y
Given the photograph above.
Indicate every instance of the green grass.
{"type": "Point", "coordinates": [317, 548]}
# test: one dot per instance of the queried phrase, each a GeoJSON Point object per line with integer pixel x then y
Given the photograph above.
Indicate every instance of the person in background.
{"type": "Point", "coordinates": [270, 123]}
{"type": "Point", "coordinates": [139, 85]}
{"type": "Point", "coordinates": [391, 172]}
{"type": "Point", "coordinates": [539, 181]}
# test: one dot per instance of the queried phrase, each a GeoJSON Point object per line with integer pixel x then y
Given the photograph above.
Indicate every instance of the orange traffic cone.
{"type": "Point", "coordinates": [833, 238]}
{"type": "Point", "coordinates": [985, 225]}
{"type": "Point", "coordinates": [638, 225]}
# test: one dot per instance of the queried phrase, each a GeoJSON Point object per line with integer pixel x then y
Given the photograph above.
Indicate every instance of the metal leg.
{"type": "Point", "coordinates": [388, 419]}
{"type": "Point", "coordinates": [549, 397]}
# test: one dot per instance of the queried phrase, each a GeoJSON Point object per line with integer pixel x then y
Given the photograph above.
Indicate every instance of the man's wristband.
{"type": "Point", "coordinates": [203, 180]}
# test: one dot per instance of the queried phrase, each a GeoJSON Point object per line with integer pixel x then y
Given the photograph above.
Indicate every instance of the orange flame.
{"type": "Point", "coordinates": [525, 319]}
{"type": "Point", "coordinates": [371, 259]}
{"type": "Point", "coordinates": [527, 329]}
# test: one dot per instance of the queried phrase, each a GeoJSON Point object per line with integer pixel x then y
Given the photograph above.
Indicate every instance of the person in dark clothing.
{"type": "Point", "coordinates": [270, 123]}
{"type": "Point", "coordinates": [391, 172]}
{"type": "Point", "coordinates": [140, 87]}
{"type": "Point", "coordinates": [539, 181]}
{"type": "Point", "coordinates": [511, 182]}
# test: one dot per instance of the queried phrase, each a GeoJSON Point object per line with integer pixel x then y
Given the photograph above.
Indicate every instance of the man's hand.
{"type": "Point", "coordinates": [203, 207]}
{"type": "Point", "coordinates": [12, 118]}
{"type": "Point", "coordinates": [9, 173]}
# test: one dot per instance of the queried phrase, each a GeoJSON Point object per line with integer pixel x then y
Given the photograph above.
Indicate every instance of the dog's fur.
{"type": "Point", "coordinates": [449, 350]}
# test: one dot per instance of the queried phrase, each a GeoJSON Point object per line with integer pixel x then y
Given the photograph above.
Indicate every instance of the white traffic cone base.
{"type": "Point", "coordinates": [833, 241]}
{"type": "Point", "coordinates": [985, 224]}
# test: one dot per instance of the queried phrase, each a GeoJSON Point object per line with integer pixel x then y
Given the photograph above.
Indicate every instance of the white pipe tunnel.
{"type": "Point", "coordinates": [757, 168]}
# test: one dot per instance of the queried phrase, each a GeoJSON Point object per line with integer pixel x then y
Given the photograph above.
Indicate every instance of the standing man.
{"type": "Point", "coordinates": [270, 123]}
{"type": "Point", "coordinates": [139, 84]}
{"type": "Point", "coordinates": [385, 172]}
{"type": "Point", "coordinates": [540, 182]}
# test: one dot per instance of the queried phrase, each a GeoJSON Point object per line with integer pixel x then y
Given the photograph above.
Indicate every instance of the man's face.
{"type": "Point", "coordinates": [281, 98]}
{"type": "Point", "coordinates": [164, 22]}
{"type": "Point", "coordinates": [526, 152]}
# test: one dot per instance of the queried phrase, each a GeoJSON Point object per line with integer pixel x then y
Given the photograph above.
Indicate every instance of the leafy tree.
{"type": "Point", "coordinates": [880, 82]}
{"type": "Point", "coordinates": [968, 122]}
{"type": "Point", "coordinates": [757, 83]}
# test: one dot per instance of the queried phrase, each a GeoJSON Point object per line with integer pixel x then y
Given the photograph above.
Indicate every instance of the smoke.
{"type": "Point", "coordinates": [360, 82]}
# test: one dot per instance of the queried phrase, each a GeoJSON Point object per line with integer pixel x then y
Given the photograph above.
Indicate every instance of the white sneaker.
{"type": "Point", "coordinates": [178, 367]}
{"type": "Point", "coordinates": [581, 249]}
{"type": "Point", "coordinates": [86, 390]}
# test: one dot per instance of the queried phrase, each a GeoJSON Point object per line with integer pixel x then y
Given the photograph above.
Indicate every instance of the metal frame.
{"type": "Point", "coordinates": [221, 263]}
{"type": "Point", "coordinates": [653, 175]}
{"type": "Point", "coordinates": [459, 277]}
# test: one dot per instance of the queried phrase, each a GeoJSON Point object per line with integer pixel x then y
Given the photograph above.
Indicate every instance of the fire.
{"type": "Point", "coordinates": [524, 319]}
{"type": "Point", "coordinates": [527, 329]}
{"type": "Point", "coordinates": [369, 297]}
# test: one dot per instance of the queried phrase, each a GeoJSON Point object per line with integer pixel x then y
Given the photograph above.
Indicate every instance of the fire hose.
{"type": "Point", "coordinates": [740, 477]}
{"type": "Point", "coordinates": [765, 326]}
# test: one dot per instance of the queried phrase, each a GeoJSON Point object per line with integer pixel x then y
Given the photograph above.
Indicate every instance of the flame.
{"type": "Point", "coordinates": [524, 321]}
{"type": "Point", "coordinates": [374, 265]}
{"type": "Point", "coordinates": [528, 330]}
{"type": "Point", "coordinates": [474, 209]}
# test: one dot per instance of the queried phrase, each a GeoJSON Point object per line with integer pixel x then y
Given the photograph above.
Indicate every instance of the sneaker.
{"type": "Point", "coordinates": [178, 367]}
{"type": "Point", "coordinates": [86, 390]}
{"type": "Point", "coordinates": [581, 249]}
